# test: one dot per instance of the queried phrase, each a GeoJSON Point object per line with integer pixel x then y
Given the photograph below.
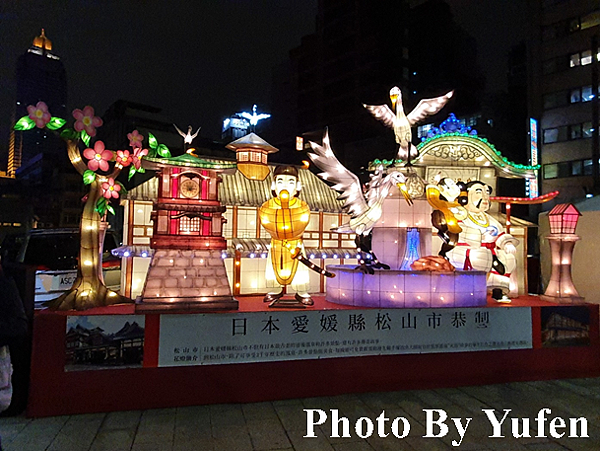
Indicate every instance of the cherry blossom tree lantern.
{"type": "Point", "coordinates": [99, 168]}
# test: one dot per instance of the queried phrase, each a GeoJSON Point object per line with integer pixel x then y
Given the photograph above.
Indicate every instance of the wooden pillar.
{"type": "Point", "coordinates": [129, 260]}
{"type": "Point", "coordinates": [237, 271]}
{"type": "Point", "coordinates": [321, 276]}
{"type": "Point", "coordinates": [234, 224]}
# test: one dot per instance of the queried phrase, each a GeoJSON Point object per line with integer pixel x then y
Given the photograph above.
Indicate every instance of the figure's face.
{"type": "Point", "coordinates": [286, 182]}
{"type": "Point", "coordinates": [479, 198]}
{"type": "Point", "coordinates": [449, 189]}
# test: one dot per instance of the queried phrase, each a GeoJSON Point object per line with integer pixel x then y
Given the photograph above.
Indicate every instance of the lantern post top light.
{"type": "Point", "coordinates": [563, 219]}
{"type": "Point", "coordinates": [251, 155]}
{"type": "Point", "coordinates": [251, 142]}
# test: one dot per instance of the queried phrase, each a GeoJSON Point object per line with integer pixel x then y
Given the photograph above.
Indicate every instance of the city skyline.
{"type": "Point", "coordinates": [199, 63]}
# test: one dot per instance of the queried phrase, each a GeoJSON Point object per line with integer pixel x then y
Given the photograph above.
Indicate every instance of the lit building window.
{"type": "Point", "coordinates": [574, 60]}
{"type": "Point", "coordinates": [423, 129]}
{"type": "Point", "coordinates": [586, 94]}
{"type": "Point", "coordinates": [189, 225]}
{"type": "Point", "coordinates": [246, 227]}
{"type": "Point", "coordinates": [586, 57]}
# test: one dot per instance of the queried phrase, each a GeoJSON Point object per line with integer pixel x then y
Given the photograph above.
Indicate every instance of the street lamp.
{"type": "Point", "coordinates": [251, 154]}
{"type": "Point", "coordinates": [563, 222]}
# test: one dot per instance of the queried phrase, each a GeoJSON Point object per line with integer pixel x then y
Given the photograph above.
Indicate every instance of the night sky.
{"type": "Point", "coordinates": [198, 60]}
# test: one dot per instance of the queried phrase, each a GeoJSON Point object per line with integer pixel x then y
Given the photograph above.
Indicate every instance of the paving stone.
{"type": "Point", "coordinates": [281, 425]}
{"type": "Point", "coordinates": [122, 420]}
{"type": "Point", "coordinates": [113, 440]}
{"type": "Point", "coordinates": [301, 443]}
{"type": "Point", "coordinates": [240, 442]}
{"type": "Point", "coordinates": [38, 434]}
{"type": "Point", "coordinates": [156, 446]}
{"type": "Point", "coordinates": [77, 433]}
{"type": "Point", "coordinates": [260, 412]}
{"type": "Point", "coordinates": [268, 436]}
{"type": "Point", "coordinates": [292, 416]}
{"type": "Point", "coordinates": [353, 446]}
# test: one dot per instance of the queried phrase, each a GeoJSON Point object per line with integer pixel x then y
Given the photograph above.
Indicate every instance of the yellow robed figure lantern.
{"type": "Point", "coordinates": [285, 217]}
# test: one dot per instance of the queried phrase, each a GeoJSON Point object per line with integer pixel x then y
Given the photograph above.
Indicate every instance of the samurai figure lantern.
{"type": "Point", "coordinates": [285, 217]}
{"type": "Point", "coordinates": [251, 154]}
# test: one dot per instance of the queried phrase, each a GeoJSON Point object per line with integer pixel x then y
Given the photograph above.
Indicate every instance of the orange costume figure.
{"type": "Point", "coordinates": [285, 217]}
{"type": "Point", "coordinates": [447, 212]}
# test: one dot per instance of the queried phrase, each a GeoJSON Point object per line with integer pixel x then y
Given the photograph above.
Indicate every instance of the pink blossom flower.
{"type": "Point", "coordinates": [98, 156]}
{"type": "Point", "coordinates": [138, 154]}
{"type": "Point", "coordinates": [110, 189]}
{"type": "Point", "coordinates": [123, 158]}
{"type": "Point", "coordinates": [135, 139]}
{"type": "Point", "coordinates": [85, 120]}
{"type": "Point", "coordinates": [39, 114]}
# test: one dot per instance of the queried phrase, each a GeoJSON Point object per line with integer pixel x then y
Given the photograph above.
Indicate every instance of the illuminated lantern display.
{"type": "Point", "coordinates": [364, 209]}
{"type": "Point", "coordinates": [563, 222]}
{"type": "Point", "coordinates": [187, 271]}
{"type": "Point", "coordinates": [285, 217]}
{"type": "Point", "coordinates": [415, 185]}
{"type": "Point", "coordinates": [251, 155]}
{"type": "Point", "coordinates": [446, 212]}
{"type": "Point", "coordinates": [483, 244]}
{"type": "Point", "coordinates": [95, 166]}
{"type": "Point", "coordinates": [255, 117]}
{"type": "Point", "coordinates": [401, 123]}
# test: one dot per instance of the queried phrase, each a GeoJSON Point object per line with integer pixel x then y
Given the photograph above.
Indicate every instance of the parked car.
{"type": "Point", "coordinates": [54, 252]}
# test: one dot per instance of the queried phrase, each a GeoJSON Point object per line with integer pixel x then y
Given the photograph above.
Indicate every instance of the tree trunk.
{"type": "Point", "coordinates": [88, 290]}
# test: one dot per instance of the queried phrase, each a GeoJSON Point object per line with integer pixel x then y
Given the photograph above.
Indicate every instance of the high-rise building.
{"type": "Point", "coordinates": [40, 76]}
{"type": "Point", "coordinates": [443, 57]}
{"type": "Point", "coordinates": [564, 63]}
{"type": "Point", "coordinates": [358, 52]}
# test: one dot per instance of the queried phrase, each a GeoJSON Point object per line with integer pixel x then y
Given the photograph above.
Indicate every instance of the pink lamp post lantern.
{"type": "Point", "coordinates": [563, 222]}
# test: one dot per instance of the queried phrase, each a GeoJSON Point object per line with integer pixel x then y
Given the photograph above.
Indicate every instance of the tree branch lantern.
{"type": "Point", "coordinates": [563, 222]}
{"type": "Point", "coordinates": [88, 289]}
{"type": "Point", "coordinates": [251, 155]}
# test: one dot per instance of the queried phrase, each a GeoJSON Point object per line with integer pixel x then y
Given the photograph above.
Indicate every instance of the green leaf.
{"type": "Point", "coordinates": [163, 151]}
{"type": "Point", "coordinates": [56, 123]}
{"type": "Point", "coordinates": [101, 206]}
{"type": "Point", "coordinates": [123, 191]}
{"type": "Point", "coordinates": [89, 177]}
{"type": "Point", "coordinates": [132, 172]}
{"type": "Point", "coordinates": [25, 123]}
{"type": "Point", "coordinates": [152, 142]}
{"type": "Point", "coordinates": [85, 137]}
{"type": "Point", "coordinates": [110, 208]}
{"type": "Point", "coordinates": [69, 134]}
{"type": "Point", "coordinates": [141, 170]}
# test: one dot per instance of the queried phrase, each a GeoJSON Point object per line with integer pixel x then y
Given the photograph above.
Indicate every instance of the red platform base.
{"type": "Point", "coordinates": [55, 391]}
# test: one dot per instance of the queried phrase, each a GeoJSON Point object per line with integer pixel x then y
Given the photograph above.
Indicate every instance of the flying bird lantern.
{"type": "Point", "coordinates": [364, 209]}
{"type": "Point", "coordinates": [254, 117]}
{"type": "Point", "coordinates": [401, 123]}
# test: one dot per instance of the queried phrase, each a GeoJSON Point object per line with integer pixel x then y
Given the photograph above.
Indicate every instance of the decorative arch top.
{"type": "Point", "coordinates": [470, 147]}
